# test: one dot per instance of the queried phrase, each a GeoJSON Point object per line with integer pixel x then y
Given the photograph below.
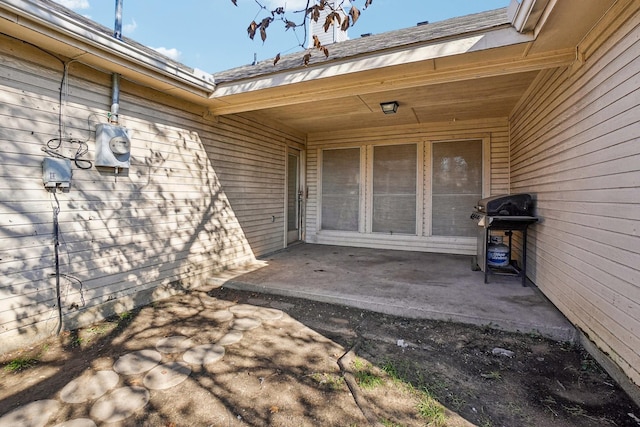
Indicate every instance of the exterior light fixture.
{"type": "Point", "coordinates": [389, 107]}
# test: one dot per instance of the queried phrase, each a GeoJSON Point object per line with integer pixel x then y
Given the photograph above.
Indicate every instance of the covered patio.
{"type": "Point", "coordinates": [539, 97]}
{"type": "Point", "coordinates": [408, 284]}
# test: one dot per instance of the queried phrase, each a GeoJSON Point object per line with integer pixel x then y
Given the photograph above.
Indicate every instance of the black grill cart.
{"type": "Point", "coordinates": [506, 213]}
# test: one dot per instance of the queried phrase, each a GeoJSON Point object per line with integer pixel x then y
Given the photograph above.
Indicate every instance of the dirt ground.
{"type": "Point", "coordinates": [303, 363]}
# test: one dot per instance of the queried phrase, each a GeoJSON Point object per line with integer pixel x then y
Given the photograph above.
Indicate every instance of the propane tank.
{"type": "Point", "coordinates": [497, 253]}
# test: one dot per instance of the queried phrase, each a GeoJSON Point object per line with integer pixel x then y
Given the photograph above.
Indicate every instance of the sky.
{"type": "Point", "coordinates": [211, 35]}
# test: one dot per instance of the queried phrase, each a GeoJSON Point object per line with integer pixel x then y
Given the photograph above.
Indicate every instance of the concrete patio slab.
{"type": "Point", "coordinates": [408, 284]}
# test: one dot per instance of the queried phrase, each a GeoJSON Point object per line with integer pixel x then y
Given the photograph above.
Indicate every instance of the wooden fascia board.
{"type": "Point", "coordinates": [615, 17]}
{"type": "Point", "coordinates": [373, 81]}
{"type": "Point", "coordinates": [411, 54]}
{"type": "Point", "coordinates": [94, 47]}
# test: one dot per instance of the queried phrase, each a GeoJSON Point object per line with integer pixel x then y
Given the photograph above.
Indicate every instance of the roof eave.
{"type": "Point", "coordinates": [528, 16]}
{"type": "Point", "coordinates": [494, 37]}
{"type": "Point", "coordinates": [31, 15]}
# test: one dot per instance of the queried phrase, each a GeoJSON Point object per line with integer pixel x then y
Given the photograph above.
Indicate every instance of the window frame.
{"type": "Point", "coordinates": [424, 180]}
{"type": "Point", "coordinates": [419, 187]}
{"type": "Point", "coordinates": [362, 177]}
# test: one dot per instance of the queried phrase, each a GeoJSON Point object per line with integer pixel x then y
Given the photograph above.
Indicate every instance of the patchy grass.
{"type": "Point", "coordinates": [368, 380]}
{"type": "Point", "coordinates": [456, 402]}
{"type": "Point", "coordinates": [20, 364]}
{"type": "Point", "coordinates": [365, 377]}
{"type": "Point", "coordinates": [427, 407]}
{"type": "Point", "coordinates": [76, 341]}
{"type": "Point", "coordinates": [432, 411]}
{"type": "Point", "coordinates": [493, 375]}
{"type": "Point", "coordinates": [100, 329]}
{"type": "Point", "coordinates": [330, 381]}
{"type": "Point", "coordinates": [125, 316]}
{"type": "Point", "coordinates": [392, 370]}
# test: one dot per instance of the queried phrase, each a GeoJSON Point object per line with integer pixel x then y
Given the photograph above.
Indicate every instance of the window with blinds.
{"type": "Point", "coordinates": [341, 189]}
{"type": "Point", "coordinates": [456, 187]}
{"type": "Point", "coordinates": [394, 189]}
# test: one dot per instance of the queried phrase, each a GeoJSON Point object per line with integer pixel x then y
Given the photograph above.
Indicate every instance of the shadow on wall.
{"type": "Point", "coordinates": [164, 226]}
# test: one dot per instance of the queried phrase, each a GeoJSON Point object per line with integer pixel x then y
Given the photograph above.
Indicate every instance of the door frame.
{"type": "Point", "coordinates": [301, 195]}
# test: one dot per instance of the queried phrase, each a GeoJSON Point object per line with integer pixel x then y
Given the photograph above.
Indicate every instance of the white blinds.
{"type": "Point", "coordinates": [456, 187]}
{"type": "Point", "coordinates": [341, 189]}
{"type": "Point", "coordinates": [394, 189]}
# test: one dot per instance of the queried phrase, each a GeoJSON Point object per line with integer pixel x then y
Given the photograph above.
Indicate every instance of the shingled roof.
{"type": "Point", "coordinates": [391, 40]}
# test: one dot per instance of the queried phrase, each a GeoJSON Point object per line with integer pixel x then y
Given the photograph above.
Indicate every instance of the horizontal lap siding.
{"type": "Point", "coordinates": [498, 133]}
{"type": "Point", "coordinates": [199, 197]}
{"type": "Point", "coordinates": [576, 147]}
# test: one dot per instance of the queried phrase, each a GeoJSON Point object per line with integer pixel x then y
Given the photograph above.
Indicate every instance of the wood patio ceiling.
{"type": "Point", "coordinates": [478, 98]}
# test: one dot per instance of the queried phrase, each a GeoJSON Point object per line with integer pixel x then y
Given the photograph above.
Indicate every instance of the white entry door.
{"type": "Point", "coordinates": [294, 196]}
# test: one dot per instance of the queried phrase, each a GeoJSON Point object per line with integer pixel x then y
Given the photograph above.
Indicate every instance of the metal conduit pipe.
{"type": "Point", "coordinates": [115, 87]}
{"type": "Point", "coordinates": [115, 98]}
{"type": "Point", "coordinates": [117, 27]}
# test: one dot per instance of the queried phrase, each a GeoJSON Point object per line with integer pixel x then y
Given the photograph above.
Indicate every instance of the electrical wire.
{"type": "Point", "coordinates": [83, 148]}
{"type": "Point", "coordinates": [50, 149]}
{"type": "Point", "coordinates": [56, 243]}
{"type": "Point", "coordinates": [71, 278]}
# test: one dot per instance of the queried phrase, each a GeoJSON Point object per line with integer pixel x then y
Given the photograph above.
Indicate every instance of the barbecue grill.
{"type": "Point", "coordinates": [501, 216]}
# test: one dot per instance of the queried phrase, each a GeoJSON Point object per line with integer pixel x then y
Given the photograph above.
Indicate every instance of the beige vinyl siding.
{"type": "Point", "coordinates": [575, 146]}
{"type": "Point", "coordinates": [495, 131]}
{"type": "Point", "coordinates": [200, 196]}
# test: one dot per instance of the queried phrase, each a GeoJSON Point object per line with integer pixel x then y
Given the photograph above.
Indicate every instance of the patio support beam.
{"type": "Point", "coordinates": [392, 78]}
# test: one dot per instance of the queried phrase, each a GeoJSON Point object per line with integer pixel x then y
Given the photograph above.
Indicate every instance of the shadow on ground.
{"type": "Point", "coordinates": [222, 357]}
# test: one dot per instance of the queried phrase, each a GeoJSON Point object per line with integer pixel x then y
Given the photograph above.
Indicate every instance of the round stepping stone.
{"type": "Point", "coordinates": [231, 338]}
{"type": "Point", "coordinates": [89, 386]}
{"type": "Point", "coordinates": [166, 375]}
{"type": "Point", "coordinates": [245, 324]}
{"type": "Point", "coordinates": [119, 404]}
{"type": "Point", "coordinates": [78, 422]}
{"type": "Point", "coordinates": [219, 316]}
{"type": "Point", "coordinates": [264, 313]}
{"type": "Point", "coordinates": [34, 414]}
{"type": "Point", "coordinates": [137, 362]}
{"type": "Point", "coordinates": [174, 344]}
{"type": "Point", "coordinates": [204, 354]}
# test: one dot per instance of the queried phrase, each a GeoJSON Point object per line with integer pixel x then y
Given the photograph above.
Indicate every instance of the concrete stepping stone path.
{"type": "Point", "coordinates": [34, 414]}
{"type": "Point", "coordinates": [89, 386]}
{"type": "Point", "coordinates": [220, 316]}
{"type": "Point", "coordinates": [137, 362]}
{"type": "Point", "coordinates": [245, 324]}
{"type": "Point", "coordinates": [231, 338]}
{"type": "Point", "coordinates": [166, 375]}
{"type": "Point", "coordinates": [119, 404]}
{"type": "Point", "coordinates": [174, 344]}
{"type": "Point", "coordinates": [204, 354]}
{"type": "Point", "coordinates": [78, 422]}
